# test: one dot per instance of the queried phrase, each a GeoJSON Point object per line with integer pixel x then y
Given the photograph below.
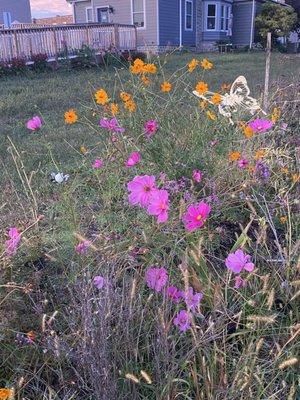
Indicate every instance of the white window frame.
{"type": "Point", "coordinates": [210, 3]}
{"type": "Point", "coordinates": [8, 18]}
{"type": "Point", "coordinates": [225, 17]}
{"type": "Point", "coordinates": [144, 12]}
{"type": "Point", "coordinates": [86, 14]}
{"type": "Point", "coordinates": [102, 8]}
{"type": "Point", "coordinates": [191, 15]}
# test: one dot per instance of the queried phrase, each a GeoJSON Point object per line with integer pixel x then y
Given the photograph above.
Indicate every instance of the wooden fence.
{"type": "Point", "coordinates": [54, 40]}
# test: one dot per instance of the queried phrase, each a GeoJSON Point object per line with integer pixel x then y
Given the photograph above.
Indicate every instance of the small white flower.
{"type": "Point", "coordinates": [59, 177]}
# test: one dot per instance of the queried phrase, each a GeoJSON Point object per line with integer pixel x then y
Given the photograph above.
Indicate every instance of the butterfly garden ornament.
{"type": "Point", "coordinates": [238, 98]}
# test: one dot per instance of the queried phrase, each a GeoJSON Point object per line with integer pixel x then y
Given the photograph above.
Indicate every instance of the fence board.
{"type": "Point", "coordinates": [53, 40]}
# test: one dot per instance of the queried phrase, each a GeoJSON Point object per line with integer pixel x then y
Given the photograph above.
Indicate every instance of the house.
{"type": "Point", "coordinates": [14, 11]}
{"type": "Point", "coordinates": [58, 20]}
{"type": "Point", "coordinates": [197, 24]}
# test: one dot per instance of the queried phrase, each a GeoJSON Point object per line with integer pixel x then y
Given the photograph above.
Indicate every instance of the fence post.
{"type": "Point", "coordinates": [116, 36]}
{"type": "Point", "coordinates": [88, 35]}
{"type": "Point", "coordinates": [267, 72]}
{"type": "Point", "coordinates": [55, 44]}
{"type": "Point", "coordinates": [16, 44]}
{"type": "Point", "coordinates": [135, 37]}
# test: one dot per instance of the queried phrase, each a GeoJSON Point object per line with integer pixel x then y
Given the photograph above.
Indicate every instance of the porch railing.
{"type": "Point", "coordinates": [55, 40]}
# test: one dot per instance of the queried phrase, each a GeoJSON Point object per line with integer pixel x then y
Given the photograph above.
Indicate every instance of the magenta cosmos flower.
{"type": "Point", "coordinates": [239, 282]}
{"type": "Point", "coordinates": [243, 163]}
{"type": "Point", "coordinates": [99, 282]}
{"type": "Point", "coordinates": [159, 205]}
{"type": "Point", "coordinates": [151, 127]}
{"type": "Point", "coordinates": [111, 125]}
{"type": "Point", "coordinates": [34, 124]}
{"type": "Point", "coordinates": [182, 321]}
{"type": "Point", "coordinates": [197, 175]}
{"type": "Point", "coordinates": [142, 189]}
{"type": "Point", "coordinates": [133, 159]}
{"type": "Point", "coordinates": [12, 244]}
{"type": "Point", "coordinates": [238, 261]}
{"type": "Point", "coordinates": [175, 294]}
{"type": "Point", "coordinates": [98, 164]}
{"type": "Point", "coordinates": [261, 125]}
{"type": "Point", "coordinates": [156, 278]}
{"type": "Point", "coordinates": [196, 216]}
{"type": "Point", "coordinates": [192, 299]}
{"type": "Point", "coordinates": [83, 247]}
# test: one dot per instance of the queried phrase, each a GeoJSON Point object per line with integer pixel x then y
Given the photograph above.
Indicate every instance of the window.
{"type": "Point", "coordinates": [102, 14]}
{"type": "Point", "coordinates": [225, 17]}
{"type": "Point", "coordinates": [138, 13]}
{"type": "Point", "coordinates": [188, 15]}
{"type": "Point", "coordinates": [211, 17]}
{"type": "Point", "coordinates": [89, 14]}
{"type": "Point", "coordinates": [7, 19]}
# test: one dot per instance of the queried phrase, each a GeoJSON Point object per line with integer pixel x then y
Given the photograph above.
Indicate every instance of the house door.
{"type": "Point", "coordinates": [103, 15]}
{"type": "Point", "coordinates": [7, 19]}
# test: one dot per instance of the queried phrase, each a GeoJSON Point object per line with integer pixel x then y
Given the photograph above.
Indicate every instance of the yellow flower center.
{"type": "Point", "coordinates": [199, 217]}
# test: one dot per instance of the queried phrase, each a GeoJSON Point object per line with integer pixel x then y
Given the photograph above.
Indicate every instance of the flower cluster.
{"type": "Point", "coordinates": [205, 64]}
{"type": "Point", "coordinates": [238, 262]}
{"type": "Point", "coordinates": [12, 244]}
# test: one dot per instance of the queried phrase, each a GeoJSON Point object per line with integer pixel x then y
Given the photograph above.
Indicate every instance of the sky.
{"type": "Point", "coordinates": [49, 8]}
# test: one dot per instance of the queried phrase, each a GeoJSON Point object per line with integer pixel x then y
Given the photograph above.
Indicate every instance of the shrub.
{"type": "Point", "coordinates": [18, 65]}
{"type": "Point", "coordinates": [40, 63]}
{"type": "Point", "coordinates": [84, 58]}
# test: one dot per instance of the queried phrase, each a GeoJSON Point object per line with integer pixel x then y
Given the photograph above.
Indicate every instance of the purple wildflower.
{"type": "Point", "coordinates": [182, 321]}
{"type": "Point", "coordinates": [192, 299]}
{"type": "Point", "coordinates": [156, 278]}
{"type": "Point", "coordinates": [175, 294]}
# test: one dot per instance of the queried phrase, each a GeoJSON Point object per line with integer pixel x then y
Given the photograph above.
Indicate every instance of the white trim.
{"type": "Point", "coordinates": [226, 6]}
{"type": "Point", "coordinates": [206, 16]}
{"type": "Point", "coordinates": [192, 16]}
{"type": "Point", "coordinates": [86, 14]}
{"type": "Point", "coordinates": [102, 8]}
{"type": "Point", "coordinates": [157, 21]}
{"type": "Point", "coordinates": [140, 28]}
{"type": "Point", "coordinates": [252, 24]}
{"type": "Point", "coordinates": [180, 23]}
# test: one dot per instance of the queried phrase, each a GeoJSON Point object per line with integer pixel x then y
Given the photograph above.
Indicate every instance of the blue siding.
{"type": "Point", "coordinates": [169, 32]}
{"type": "Point", "coordinates": [241, 30]}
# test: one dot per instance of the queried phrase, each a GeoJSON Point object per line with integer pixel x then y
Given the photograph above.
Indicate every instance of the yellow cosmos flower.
{"type": "Point", "coordinates": [150, 69]}
{"type": "Point", "coordinates": [192, 64]}
{"type": "Point", "coordinates": [283, 219]}
{"type": "Point", "coordinates": [125, 96]}
{"type": "Point", "coordinates": [114, 108]}
{"type": "Point", "coordinates": [130, 105]}
{"type": "Point", "coordinates": [216, 99]}
{"type": "Point", "coordinates": [248, 132]}
{"type": "Point", "coordinates": [275, 115]}
{"type": "Point", "coordinates": [83, 150]}
{"type": "Point", "coordinates": [166, 87]}
{"type": "Point", "coordinates": [234, 156]}
{"type": "Point", "coordinates": [6, 394]}
{"type": "Point", "coordinates": [71, 117]}
{"type": "Point", "coordinates": [101, 97]}
{"type": "Point", "coordinates": [212, 116]}
{"type": "Point", "coordinates": [203, 104]}
{"type": "Point", "coordinates": [205, 64]}
{"type": "Point", "coordinates": [201, 87]}
{"type": "Point", "coordinates": [259, 154]}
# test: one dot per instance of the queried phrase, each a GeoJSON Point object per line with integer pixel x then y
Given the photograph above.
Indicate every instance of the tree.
{"type": "Point", "coordinates": [296, 5]}
{"type": "Point", "coordinates": [277, 19]}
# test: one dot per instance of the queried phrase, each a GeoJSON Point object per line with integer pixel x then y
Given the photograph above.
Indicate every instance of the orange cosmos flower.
{"type": "Point", "coordinates": [166, 87]}
{"type": "Point", "coordinates": [259, 154]}
{"type": "Point", "coordinates": [234, 156]}
{"type": "Point", "coordinates": [211, 115]}
{"type": "Point", "coordinates": [201, 87]}
{"type": "Point", "coordinates": [130, 105]}
{"type": "Point", "coordinates": [101, 97]}
{"type": "Point", "coordinates": [248, 132]}
{"type": "Point", "coordinates": [146, 81]}
{"type": "Point", "coordinates": [6, 394]}
{"type": "Point", "coordinates": [275, 115]}
{"type": "Point", "coordinates": [83, 150]}
{"type": "Point", "coordinates": [283, 219]}
{"type": "Point", "coordinates": [295, 178]}
{"type": "Point", "coordinates": [216, 99]}
{"type": "Point", "coordinates": [192, 64]}
{"type": "Point", "coordinates": [284, 170]}
{"type": "Point", "coordinates": [70, 117]}
{"type": "Point", "coordinates": [125, 96]}
{"type": "Point", "coordinates": [150, 69]}
{"type": "Point", "coordinates": [205, 64]}
{"type": "Point", "coordinates": [251, 169]}
{"type": "Point", "coordinates": [114, 108]}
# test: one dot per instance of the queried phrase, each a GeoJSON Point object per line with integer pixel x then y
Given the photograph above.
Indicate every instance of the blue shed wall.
{"type": "Point", "coordinates": [242, 17]}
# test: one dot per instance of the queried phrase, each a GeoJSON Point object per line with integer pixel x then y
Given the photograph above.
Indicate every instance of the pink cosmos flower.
{"type": "Point", "coordinates": [111, 125]}
{"type": "Point", "coordinates": [34, 124]}
{"type": "Point", "coordinates": [261, 125]}
{"type": "Point", "coordinates": [182, 321]}
{"type": "Point", "coordinates": [243, 163]}
{"type": "Point", "coordinates": [150, 127]}
{"type": "Point", "coordinates": [239, 282]}
{"type": "Point", "coordinates": [175, 294]}
{"type": "Point", "coordinates": [192, 299]}
{"type": "Point", "coordinates": [142, 189]}
{"type": "Point", "coordinates": [197, 175]}
{"type": "Point", "coordinates": [12, 244]}
{"type": "Point", "coordinates": [238, 261]}
{"type": "Point", "coordinates": [156, 278]}
{"type": "Point", "coordinates": [133, 159]}
{"type": "Point", "coordinates": [83, 247]}
{"type": "Point", "coordinates": [98, 164]}
{"type": "Point", "coordinates": [159, 205]}
{"type": "Point", "coordinates": [99, 282]}
{"type": "Point", "coordinates": [196, 216]}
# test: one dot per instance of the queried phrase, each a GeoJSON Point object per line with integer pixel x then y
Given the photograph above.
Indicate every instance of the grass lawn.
{"type": "Point", "coordinates": [120, 341]}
